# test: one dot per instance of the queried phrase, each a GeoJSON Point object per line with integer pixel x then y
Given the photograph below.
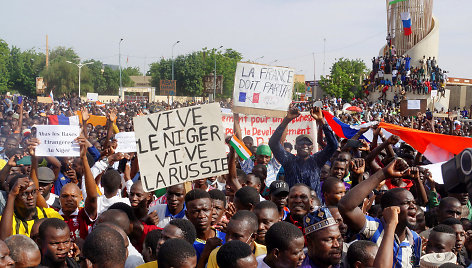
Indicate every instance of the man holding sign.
{"type": "Point", "coordinates": [304, 167]}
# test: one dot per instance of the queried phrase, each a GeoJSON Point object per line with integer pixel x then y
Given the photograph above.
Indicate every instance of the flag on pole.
{"type": "Point", "coordinates": [51, 96]}
{"type": "Point", "coordinates": [240, 148]}
{"type": "Point", "coordinates": [395, 1]}
{"type": "Point", "coordinates": [63, 120]}
{"type": "Point", "coordinates": [406, 19]}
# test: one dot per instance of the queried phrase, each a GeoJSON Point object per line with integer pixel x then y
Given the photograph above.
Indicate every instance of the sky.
{"type": "Point", "coordinates": [283, 32]}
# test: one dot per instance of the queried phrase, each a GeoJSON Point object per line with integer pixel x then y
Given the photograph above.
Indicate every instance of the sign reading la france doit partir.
{"type": "Point", "coordinates": [262, 89]}
{"type": "Point", "coordinates": [180, 145]}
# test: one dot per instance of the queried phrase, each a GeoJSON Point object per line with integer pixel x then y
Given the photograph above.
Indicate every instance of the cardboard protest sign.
{"type": "Point", "coordinates": [261, 128]}
{"type": "Point", "coordinates": [57, 140]}
{"type": "Point", "coordinates": [180, 145]}
{"type": "Point", "coordinates": [126, 142]}
{"type": "Point", "coordinates": [262, 89]}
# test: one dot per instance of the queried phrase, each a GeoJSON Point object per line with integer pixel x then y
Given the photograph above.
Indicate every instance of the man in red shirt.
{"type": "Point", "coordinates": [80, 220]}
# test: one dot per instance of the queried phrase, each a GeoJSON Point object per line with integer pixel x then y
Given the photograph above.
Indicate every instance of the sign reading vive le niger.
{"type": "Point", "coordinates": [180, 145]}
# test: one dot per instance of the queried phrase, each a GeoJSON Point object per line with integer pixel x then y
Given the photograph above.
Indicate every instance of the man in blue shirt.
{"type": "Point", "coordinates": [407, 243]}
{"type": "Point", "coordinates": [304, 167]}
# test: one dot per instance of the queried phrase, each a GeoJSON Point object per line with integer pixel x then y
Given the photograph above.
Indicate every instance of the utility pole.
{"type": "Point", "coordinates": [314, 80]}
{"type": "Point", "coordinates": [119, 62]}
{"type": "Point", "coordinates": [47, 52]}
{"type": "Point", "coordinates": [324, 56]}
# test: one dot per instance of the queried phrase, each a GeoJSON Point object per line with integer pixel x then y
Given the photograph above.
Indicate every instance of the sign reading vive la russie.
{"type": "Point", "coordinates": [180, 145]}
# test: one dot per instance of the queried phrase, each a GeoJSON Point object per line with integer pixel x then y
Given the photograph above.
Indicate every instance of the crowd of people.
{"type": "Point", "coordinates": [371, 205]}
{"type": "Point", "coordinates": [400, 75]}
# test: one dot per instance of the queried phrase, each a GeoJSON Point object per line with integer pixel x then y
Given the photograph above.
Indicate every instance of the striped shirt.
{"type": "Point", "coordinates": [272, 168]}
{"type": "Point", "coordinates": [406, 253]}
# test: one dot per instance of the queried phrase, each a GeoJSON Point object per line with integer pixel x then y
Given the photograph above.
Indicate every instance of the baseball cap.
{"type": "Point", "coordinates": [279, 186]}
{"type": "Point", "coordinates": [45, 175]}
{"type": "Point", "coordinates": [304, 136]}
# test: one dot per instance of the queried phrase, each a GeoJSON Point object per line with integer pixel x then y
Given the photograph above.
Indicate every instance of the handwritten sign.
{"type": "Point", "coordinates": [261, 128]}
{"type": "Point", "coordinates": [262, 89]}
{"type": "Point", "coordinates": [57, 140]}
{"type": "Point", "coordinates": [126, 142]}
{"type": "Point", "coordinates": [180, 145]}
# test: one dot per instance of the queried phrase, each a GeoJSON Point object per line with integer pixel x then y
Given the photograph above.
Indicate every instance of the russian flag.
{"type": "Point", "coordinates": [51, 96]}
{"type": "Point", "coordinates": [63, 120]}
{"type": "Point", "coordinates": [346, 131]}
{"type": "Point", "coordinates": [406, 19]}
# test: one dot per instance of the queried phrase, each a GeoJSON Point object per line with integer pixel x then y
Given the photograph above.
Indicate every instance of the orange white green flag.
{"type": "Point", "coordinates": [240, 148]}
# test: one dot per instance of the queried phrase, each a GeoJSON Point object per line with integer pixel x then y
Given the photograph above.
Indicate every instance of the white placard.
{"type": "Point", "coordinates": [180, 145]}
{"type": "Point", "coordinates": [92, 96]}
{"type": "Point", "coordinates": [263, 87]}
{"type": "Point", "coordinates": [126, 142]}
{"type": "Point", "coordinates": [434, 93]}
{"type": "Point", "coordinates": [413, 105]}
{"type": "Point", "coordinates": [57, 140]}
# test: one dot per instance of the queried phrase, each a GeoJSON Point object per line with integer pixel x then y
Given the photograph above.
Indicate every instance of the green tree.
{"type": "Point", "coordinates": [23, 68]}
{"type": "Point", "coordinates": [190, 69]}
{"type": "Point", "coordinates": [345, 78]}
{"type": "Point", "coordinates": [4, 59]}
{"type": "Point", "coordinates": [298, 87]}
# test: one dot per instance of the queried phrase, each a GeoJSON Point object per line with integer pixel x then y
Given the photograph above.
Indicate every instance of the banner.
{"type": "Point", "coordinates": [261, 128]}
{"type": "Point", "coordinates": [262, 89]}
{"type": "Point", "coordinates": [126, 142]}
{"type": "Point", "coordinates": [57, 140]}
{"type": "Point", "coordinates": [180, 145]}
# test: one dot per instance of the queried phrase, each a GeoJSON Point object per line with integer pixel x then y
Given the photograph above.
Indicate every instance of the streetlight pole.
{"type": "Point", "coordinates": [173, 58]}
{"type": "Point", "coordinates": [119, 62]}
{"type": "Point", "coordinates": [80, 65]}
{"type": "Point", "coordinates": [214, 84]}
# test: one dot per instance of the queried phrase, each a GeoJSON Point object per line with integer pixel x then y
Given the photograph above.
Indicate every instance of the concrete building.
{"type": "Point", "coordinates": [461, 92]}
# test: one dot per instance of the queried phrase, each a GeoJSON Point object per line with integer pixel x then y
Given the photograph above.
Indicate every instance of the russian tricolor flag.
{"type": "Point", "coordinates": [406, 19]}
{"type": "Point", "coordinates": [63, 120]}
{"type": "Point", "coordinates": [346, 131]}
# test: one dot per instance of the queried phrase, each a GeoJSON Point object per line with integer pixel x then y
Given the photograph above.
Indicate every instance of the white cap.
{"type": "Point", "coordinates": [434, 260]}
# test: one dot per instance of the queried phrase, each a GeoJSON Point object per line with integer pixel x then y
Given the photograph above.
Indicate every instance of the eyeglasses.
{"type": "Point", "coordinates": [25, 194]}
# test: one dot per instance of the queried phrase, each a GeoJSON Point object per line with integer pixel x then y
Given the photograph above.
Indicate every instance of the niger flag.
{"type": "Point", "coordinates": [436, 147]}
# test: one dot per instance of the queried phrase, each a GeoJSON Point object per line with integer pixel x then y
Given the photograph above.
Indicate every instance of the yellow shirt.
{"type": "Point", "coordinates": [152, 264]}
{"type": "Point", "coordinates": [24, 227]}
{"type": "Point", "coordinates": [258, 250]}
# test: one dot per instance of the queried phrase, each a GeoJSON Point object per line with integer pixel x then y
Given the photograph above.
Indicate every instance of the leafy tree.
{"type": "Point", "coordinates": [23, 68]}
{"type": "Point", "coordinates": [345, 78]}
{"type": "Point", "coordinates": [298, 87]}
{"type": "Point", "coordinates": [4, 58]}
{"type": "Point", "coordinates": [190, 69]}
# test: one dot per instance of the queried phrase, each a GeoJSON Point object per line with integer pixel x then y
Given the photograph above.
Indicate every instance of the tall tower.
{"type": "Point", "coordinates": [424, 37]}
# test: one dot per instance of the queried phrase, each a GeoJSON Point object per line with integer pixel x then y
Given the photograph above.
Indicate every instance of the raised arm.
{"type": "Point", "coordinates": [384, 258]}
{"type": "Point", "coordinates": [349, 204]}
{"type": "Point", "coordinates": [90, 186]}
{"type": "Point", "coordinates": [6, 224]}
{"type": "Point", "coordinates": [32, 143]}
{"type": "Point", "coordinates": [331, 141]}
{"type": "Point", "coordinates": [390, 141]}
{"type": "Point", "coordinates": [237, 127]}
{"type": "Point", "coordinates": [274, 141]}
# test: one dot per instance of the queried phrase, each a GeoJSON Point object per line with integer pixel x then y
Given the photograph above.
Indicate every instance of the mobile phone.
{"type": "Point", "coordinates": [354, 143]}
{"type": "Point", "coordinates": [25, 161]}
